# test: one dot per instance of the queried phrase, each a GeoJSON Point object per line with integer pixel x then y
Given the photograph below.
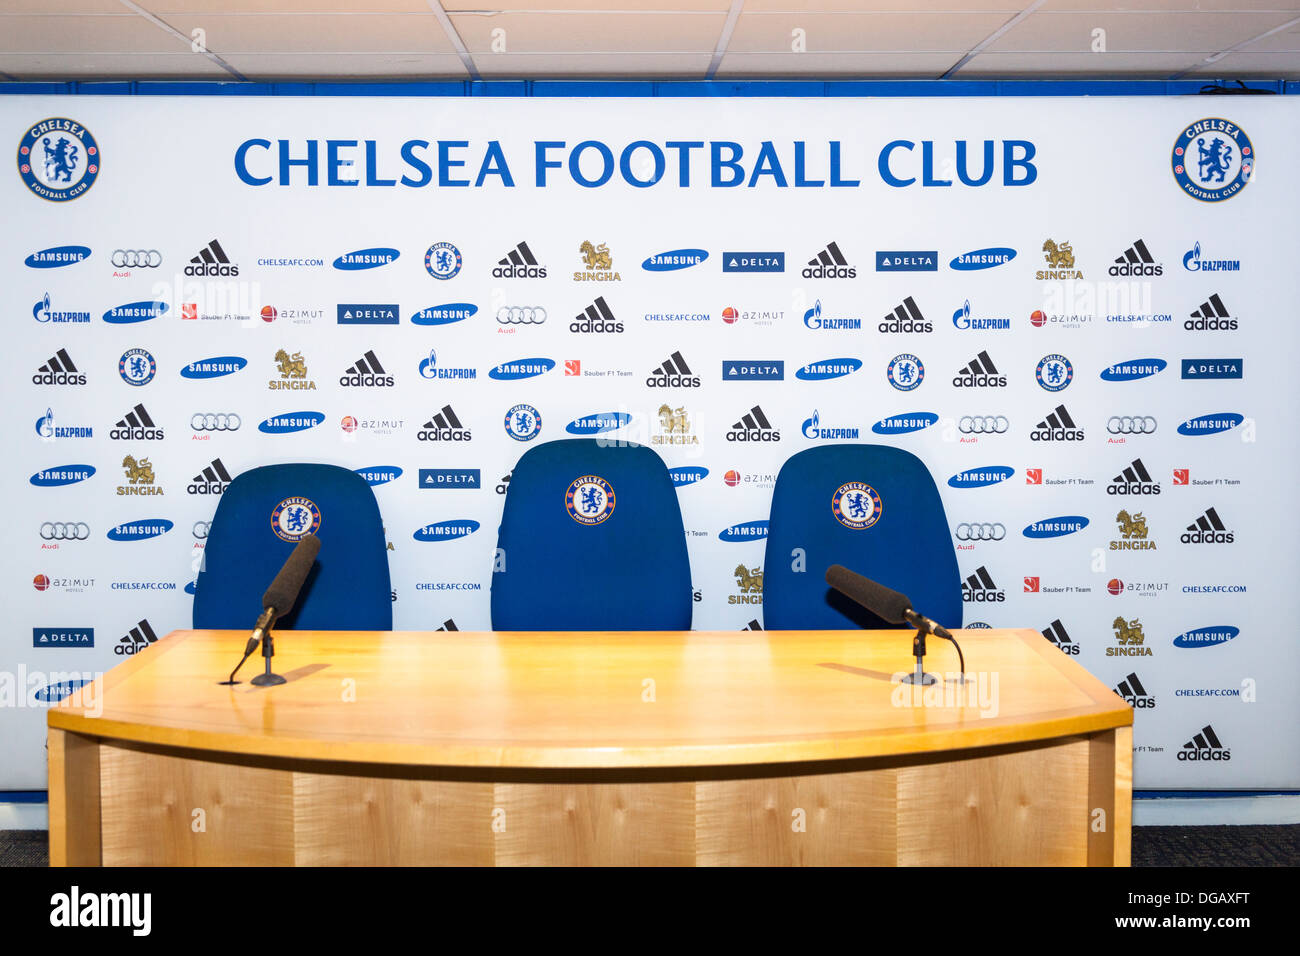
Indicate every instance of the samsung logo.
{"type": "Point", "coordinates": [63, 637]}
{"type": "Point", "coordinates": [444, 314]}
{"type": "Point", "coordinates": [1210, 424]}
{"type": "Point", "coordinates": [773, 371]}
{"type": "Point", "coordinates": [140, 530]}
{"type": "Point", "coordinates": [1206, 636]}
{"type": "Point", "coordinates": [1133, 369]}
{"type": "Point", "coordinates": [597, 422]}
{"type": "Point", "coordinates": [674, 260]}
{"type": "Point", "coordinates": [902, 424]}
{"type": "Point", "coordinates": [828, 368]}
{"type": "Point", "coordinates": [981, 477]}
{"type": "Point", "coordinates": [449, 478]}
{"type": "Point", "coordinates": [890, 260]}
{"type": "Point", "coordinates": [445, 530]}
{"type": "Point", "coordinates": [522, 368]}
{"type": "Point", "coordinates": [61, 475]}
{"type": "Point", "coordinates": [53, 693]}
{"type": "Point", "coordinates": [687, 475]}
{"type": "Point", "coordinates": [982, 259]}
{"type": "Point", "coordinates": [57, 256]}
{"type": "Point", "coordinates": [1212, 368]}
{"type": "Point", "coordinates": [368, 314]}
{"type": "Point", "coordinates": [748, 531]}
{"type": "Point", "coordinates": [291, 422]}
{"type": "Point", "coordinates": [365, 259]}
{"type": "Point", "coordinates": [135, 312]}
{"type": "Point", "coordinates": [1056, 527]}
{"type": "Point", "coordinates": [214, 367]}
{"type": "Point", "coordinates": [380, 474]}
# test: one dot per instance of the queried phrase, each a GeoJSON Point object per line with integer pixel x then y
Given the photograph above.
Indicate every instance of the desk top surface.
{"type": "Point", "coordinates": [596, 700]}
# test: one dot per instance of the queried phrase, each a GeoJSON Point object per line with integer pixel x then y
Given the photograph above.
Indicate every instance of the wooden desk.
{"type": "Point", "coordinates": [617, 748]}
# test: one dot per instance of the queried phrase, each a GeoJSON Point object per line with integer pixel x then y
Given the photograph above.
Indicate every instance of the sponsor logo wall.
{"type": "Point", "coordinates": [1091, 350]}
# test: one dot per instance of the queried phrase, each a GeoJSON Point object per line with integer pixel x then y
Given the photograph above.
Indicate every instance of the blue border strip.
{"type": "Point", "coordinates": [646, 88]}
{"type": "Point", "coordinates": [24, 796]}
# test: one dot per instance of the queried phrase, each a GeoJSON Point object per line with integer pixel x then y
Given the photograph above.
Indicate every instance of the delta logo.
{"type": "Point", "coordinates": [365, 259]}
{"type": "Point", "coordinates": [687, 475]}
{"type": "Point", "coordinates": [1133, 369]}
{"type": "Point", "coordinates": [1206, 636]}
{"type": "Point", "coordinates": [978, 259]}
{"type": "Point", "coordinates": [437, 478]}
{"type": "Point", "coordinates": [444, 314]}
{"type": "Point", "coordinates": [1212, 368]}
{"type": "Point", "coordinates": [814, 319]}
{"type": "Point", "coordinates": [907, 260]}
{"type": "Point", "coordinates": [753, 262]}
{"type": "Point", "coordinates": [130, 312]}
{"type": "Point", "coordinates": [753, 371]}
{"type": "Point", "coordinates": [745, 531]}
{"type": "Point", "coordinates": [519, 263]}
{"type": "Point", "coordinates": [1211, 424]}
{"type": "Point", "coordinates": [961, 319]}
{"type": "Point", "coordinates": [1056, 527]}
{"type": "Point", "coordinates": [373, 313]}
{"type": "Point", "coordinates": [446, 530]}
{"type": "Point", "coordinates": [674, 260]}
{"type": "Point", "coordinates": [56, 257]}
{"type": "Point", "coordinates": [215, 367]}
{"type": "Point", "coordinates": [597, 423]}
{"type": "Point", "coordinates": [904, 423]}
{"type": "Point", "coordinates": [61, 475]}
{"type": "Point", "coordinates": [63, 637]}
{"type": "Point", "coordinates": [981, 477]}
{"type": "Point", "coordinates": [906, 317]}
{"type": "Point", "coordinates": [290, 422]}
{"type": "Point", "coordinates": [379, 474]}
{"type": "Point", "coordinates": [827, 369]}
{"type": "Point", "coordinates": [521, 368]}
{"type": "Point", "coordinates": [141, 530]}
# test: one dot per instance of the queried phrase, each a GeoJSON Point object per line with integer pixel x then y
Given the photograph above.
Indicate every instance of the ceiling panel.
{"type": "Point", "coordinates": [452, 6]}
{"type": "Point", "coordinates": [320, 33]}
{"type": "Point", "coordinates": [822, 65]}
{"type": "Point", "coordinates": [1079, 65]}
{"type": "Point", "coordinates": [161, 8]}
{"type": "Point", "coordinates": [614, 65]}
{"type": "Point", "coordinates": [378, 66]}
{"type": "Point", "coordinates": [864, 32]}
{"type": "Point", "coordinates": [1284, 41]}
{"type": "Point", "coordinates": [1171, 6]}
{"type": "Point", "coordinates": [109, 34]}
{"type": "Point", "coordinates": [1252, 66]}
{"type": "Point", "coordinates": [91, 66]}
{"type": "Point", "coordinates": [594, 33]}
{"type": "Point", "coordinates": [1069, 32]}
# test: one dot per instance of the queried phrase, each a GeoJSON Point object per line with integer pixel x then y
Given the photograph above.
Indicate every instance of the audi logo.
{"type": "Point", "coordinates": [137, 258]}
{"type": "Point", "coordinates": [521, 315]}
{"type": "Point", "coordinates": [200, 529]}
{"type": "Point", "coordinates": [983, 424]}
{"type": "Point", "coordinates": [215, 422]}
{"type": "Point", "coordinates": [981, 531]}
{"type": "Point", "coordinates": [1131, 425]}
{"type": "Point", "coordinates": [65, 531]}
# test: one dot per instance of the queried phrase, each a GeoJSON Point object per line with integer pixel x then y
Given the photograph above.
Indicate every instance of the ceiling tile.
{"type": "Point", "coordinates": [114, 34]}
{"type": "Point", "coordinates": [327, 66]}
{"type": "Point", "coordinates": [1088, 6]}
{"type": "Point", "coordinates": [596, 33]}
{"type": "Point", "coordinates": [503, 65]}
{"type": "Point", "coordinates": [135, 66]}
{"type": "Point", "coordinates": [161, 8]}
{"type": "Point", "coordinates": [1007, 7]}
{"type": "Point", "coordinates": [863, 32]}
{"type": "Point", "coordinates": [498, 6]}
{"type": "Point", "coordinates": [319, 33]}
{"type": "Point", "coordinates": [1134, 32]}
{"type": "Point", "coordinates": [1078, 65]}
{"type": "Point", "coordinates": [1263, 66]}
{"type": "Point", "coordinates": [1284, 41]}
{"type": "Point", "coordinates": [821, 65]}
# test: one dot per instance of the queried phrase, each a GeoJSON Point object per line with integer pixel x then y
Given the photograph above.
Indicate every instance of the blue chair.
{"type": "Point", "coordinates": [591, 540]}
{"type": "Point", "coordinates": [873, 509]}
{"type": "Point", "coordinates": [258, 521]}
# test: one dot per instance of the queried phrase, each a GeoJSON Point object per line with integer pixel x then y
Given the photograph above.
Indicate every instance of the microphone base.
{"type": "Point", "coordinates": [920, 677]}
{"type": "Point", "coordinates": [267, 680]}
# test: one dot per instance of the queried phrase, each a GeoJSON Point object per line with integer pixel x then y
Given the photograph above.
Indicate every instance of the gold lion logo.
{"type": "Point", "coordinates": [138, 472]}
{"type": "Point", "coordinates": [674, 419]}
{"type": "Point", "coordinates": [596, 257]}
{"type": "Point", "coordinates": [749, 582]}
{"type": "Point", "coordinates": [1132, 526]}
{"type": "Point", "coordinates": [291, 366]}
{"type": "Point", "coordinates": [1058, 257]}
{"type": "Point", "coordinates": [1128, 632]}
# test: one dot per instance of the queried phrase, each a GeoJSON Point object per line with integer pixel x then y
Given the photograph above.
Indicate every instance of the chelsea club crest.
{"type": "Point", "coordinates": [589, 500]}
{"type": "Point", "coordinates": [58, 159]}
{"type": "Point", "coordinates": [295, 518]}
{"type": "Point", "coordinates": [443, 260]}
{"type": "Point", "coordinates": [856, 505]}
{"type": "Point", "coordinates": [1213, 160]}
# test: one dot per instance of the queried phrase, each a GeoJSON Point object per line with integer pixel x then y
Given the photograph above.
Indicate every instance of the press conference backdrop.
{"type": "Point", "coordinates": [1078, 312]}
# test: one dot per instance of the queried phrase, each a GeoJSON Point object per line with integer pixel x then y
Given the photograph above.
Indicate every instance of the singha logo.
{"type": "Point", "coordinates": [1058, 257]}
{"type": "Point", "coordinates": [1128, 633]}
{"type": "Point", "coordinates": [1132, 526]}
{"type": "Point", "coordinates": [749, 584]}
{"type": "Point", "coordinates": [138, 472]}
{"type": "Point", "coordinates": [596, 257]}
{"type": "Point", "coordinates": [293, 372]}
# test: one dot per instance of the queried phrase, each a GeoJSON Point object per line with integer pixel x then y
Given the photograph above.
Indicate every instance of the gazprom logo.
{"type": "Point", "coordinates": [982, 259]}
{"type": "Point", "coordinates": [61, 475]}
{"type": "Point", "coordinates": [597, 422]}
{"type": "Point", "coordinates": [135, 312]}
{"type": "Point", "coordinates": [902, 424]}
{"type": "Point", "coordinates": [1206, 636]}
{"type": "Point", "coordinates": [53, 693]}
{"type": "Point", "coordinates": [444, 314]}
{"type": "Point", "coordinates": [687, 475]}
{"type": "Point", "coordinates": [522, 368]}
{"type": "Point", "coordinates": [140, 530]}
{"type": "Point", "coordinates": [380, 474]}
{"type": "Point", "coordinates": [673, 260]}
{"type": "Point", "coordinates": [828, 368]}
{"type": "Point", "coordinates": [1133, 369]}
{"type": "Point", "coordinates": [981, 477]}
{"type": "Point", "coordinates": [746, 531]}
{"type": "Point", "coordinates": [1056, 527]}
{"type": "Point", "coordinates": [446, 530]}
{"type": "Point", "coordinates": [1211, 424]}
{"type": "Point", "coordinates": [57, 256]}
{"type": "Point", "coordinates": [214, 367]}
{"type": "Point", "coordinates": [291, 422]}
{"type": "Point", "coordinates": [365, 259]}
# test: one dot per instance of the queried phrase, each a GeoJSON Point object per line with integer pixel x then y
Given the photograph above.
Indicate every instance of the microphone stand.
{"type": "Point", "coordinates": [266, 678]}
{"type": "Point", "coordinates": [920, 678]}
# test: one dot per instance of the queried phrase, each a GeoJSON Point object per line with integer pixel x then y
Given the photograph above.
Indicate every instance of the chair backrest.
{"type": "Point", "coordinates": [591, 539]}
{"type": "Point", "coordinates": [873, 509]}
{"type": "Point", "coordinates": [259, 520]}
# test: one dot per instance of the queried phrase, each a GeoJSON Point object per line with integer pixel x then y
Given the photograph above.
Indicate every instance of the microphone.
{"type": "Point", "coordinates": [278, 600]}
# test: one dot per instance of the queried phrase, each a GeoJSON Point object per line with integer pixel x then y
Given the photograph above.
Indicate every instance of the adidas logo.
{"type": "Point", "coordinates": [136, 640]}
{"type": "Point", "coordinates": [753, 626]}
{"type": "Point", "coordinates": [136, 425]}
{"type": "Point", "coordinates": [504, 484]}
{"type": "Point", "coordinates": [447, 625]}
{"type": "Point", "coordinates": [1056, 633]}
{"type": "Point", "coordinates": [979, 588]}
{"type": "Point", "coordinates": [980, 373]}
{"type": "Point", "coordinates": [905, 318]}
{"type": "Point", "coordinates": [366, 372]}
{"type": "Point", "coordinates": [1205, 746]}
{"type": "Point", "coordinates": [444, 426]}
{"type": "Point", "coordinates": [753, 426]}
{"type": "Point", "coordinates": [59, 369]}
{"type": "Point", "coordinates": [1058, 426]}
{"type": "Point", "coordinates": [1212, 316]}
{"type": "Point", "coordinates": [1133, 480]}
{"type": "Point", "coordinates": [829, 264]}
{"type": "Point", "coordinates": [1136, 260]}
{"type": "Point", "coordinates": [211, 261]}
{"type": "Point", "coordinates": [596, 318]}
{"type": "Point", "coordinates": [1131, 689]}
{"type": "Point", "coordinates": [519, 263]}
{"type": "Point", "coordinates": [673, 373]}
{"type": "Point", "coordinates": [212, 480]}
{"type": "Point", "coordinates": [1207, 529]}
